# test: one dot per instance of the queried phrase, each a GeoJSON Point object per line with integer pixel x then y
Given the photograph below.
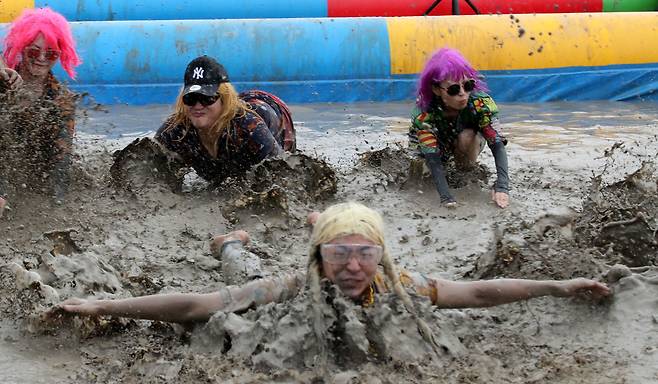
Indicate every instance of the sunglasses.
{"type": "Point", "coordinates": [35, 53]}
{"type": "Point", "coordinates": [453, 90]}
{"type": "Point", "coordinates": [192, 98]}
{"type": "Point", "coordinates": [341, 254]}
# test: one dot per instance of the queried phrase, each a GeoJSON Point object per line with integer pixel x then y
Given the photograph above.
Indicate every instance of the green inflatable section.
{"type": "Point", "coordinates": [629, 5]}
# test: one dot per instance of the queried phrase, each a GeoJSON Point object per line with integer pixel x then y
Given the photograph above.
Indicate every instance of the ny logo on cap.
{"type": "Point", "coordinates": [198, 73]}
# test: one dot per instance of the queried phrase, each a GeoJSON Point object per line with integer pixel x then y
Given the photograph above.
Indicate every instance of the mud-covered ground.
{"type": "Point", "coordinates": [584, 200]}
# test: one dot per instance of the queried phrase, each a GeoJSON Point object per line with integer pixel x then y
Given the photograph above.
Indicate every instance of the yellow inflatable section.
{"type": "Point", "coordinates": [516, 42]}
{"type": "Point", "coordinates": [9, 9]}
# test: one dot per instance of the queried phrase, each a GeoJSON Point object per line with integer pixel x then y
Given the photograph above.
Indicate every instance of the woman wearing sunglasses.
{"type": "Point", "coordinates": [220, 133]}
{"type": "Point", "coordinates": [42, 111]}
{"type": "Point", "coordinates": [454, 116]}
{"type": "Point", "coordinates": [347, 249]}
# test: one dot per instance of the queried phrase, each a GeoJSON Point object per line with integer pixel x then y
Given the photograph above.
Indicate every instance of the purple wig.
{"type": "Point", "coordinates": [445, 64]}
{"type": "Point", "coordinates": [55, 30]}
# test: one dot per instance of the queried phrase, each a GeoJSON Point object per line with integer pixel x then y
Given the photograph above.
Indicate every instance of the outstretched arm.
{"type": "Point", "coordinates": [175, 307]}
{"type": "Point", "coordinates": [190, 307]}
{"type": "Point", "coordinates": [487, 293]}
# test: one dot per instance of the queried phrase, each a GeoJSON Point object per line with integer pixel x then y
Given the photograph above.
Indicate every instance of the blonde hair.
{"type": "Point", "coordinates": [352, 218]}
{"type": "Point", "coordinates": [232, 107]}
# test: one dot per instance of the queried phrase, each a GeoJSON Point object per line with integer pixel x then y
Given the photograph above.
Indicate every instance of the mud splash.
{"type": "Point", "coordinates": [616, 225]}
{"type": "Point", "coordinates": [621, 220]}
{"type": "Point", "coordinates": [403, 167]}
{"type": "Point", "coordinates": [272, 186]}
{"type": "Point", "coordinates": [29, 131]}
{"type": "Point", "coordinates": [280, 336]}
{"type": "Point", "coordinates": [276, 186]}
{"type": "Point", "coordinates": [144, 164]}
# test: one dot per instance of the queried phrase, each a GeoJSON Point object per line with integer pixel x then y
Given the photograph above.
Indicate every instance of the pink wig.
{"type": "Point", "coordinates": [445, 64]}
{"type": "Point", "coordinates": [55, 30]}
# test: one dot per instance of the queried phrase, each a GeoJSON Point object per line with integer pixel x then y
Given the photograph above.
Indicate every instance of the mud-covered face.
{"type": "Point", "coordinates": [351, 263]}
{"type": "Point", "coordinates": [204, 116]}
{"type": "Point", "coordinates": [38, 58]}
{"type": "Point", "coordinates": [454, 93]}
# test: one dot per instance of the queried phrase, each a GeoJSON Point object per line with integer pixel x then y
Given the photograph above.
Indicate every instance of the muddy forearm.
{"type": "Point", "coordinates": [192, 307]}
{"type": "Point", "coordinates": [495, 292]}
{"type": "Point", "coordinates": [500, 158]}
{"type": "Point", "coordinates": [437, 169]}
{"type": "Point", "coordinates": [174, 308]}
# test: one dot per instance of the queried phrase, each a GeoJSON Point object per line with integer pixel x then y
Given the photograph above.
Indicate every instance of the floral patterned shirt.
{"type": "Point", "coordinates": [432, 132]}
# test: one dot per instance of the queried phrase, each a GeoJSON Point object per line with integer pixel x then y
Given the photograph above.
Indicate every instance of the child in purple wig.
{"type": "Point", "coordinates": [41, 110]}
{"type": "Point", "coordinates": [455, 116]}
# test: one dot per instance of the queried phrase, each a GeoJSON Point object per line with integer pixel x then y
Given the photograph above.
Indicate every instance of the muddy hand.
{"type": "Point", "coordinates": [78, 306]}
{"type": "Point", "coordinates": [10, 78]}
{"type": "Point", "coordinates": [500, 198]}
{"type": "Point", "coordinates": [586, 288]}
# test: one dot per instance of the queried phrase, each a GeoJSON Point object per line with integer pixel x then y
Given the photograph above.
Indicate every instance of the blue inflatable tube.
{"type": "Point", "coordinates": [87, 10]}
{"type": "Point", "coordinates": [614, 82]}
{"type": "Point", "coordinates": [141, 62]}
{"type": "Point", "coordinates": [300, 60]}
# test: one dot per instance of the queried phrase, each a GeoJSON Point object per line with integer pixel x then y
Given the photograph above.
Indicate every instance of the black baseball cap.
{"type": "Point", "coordinates": [203, 75]}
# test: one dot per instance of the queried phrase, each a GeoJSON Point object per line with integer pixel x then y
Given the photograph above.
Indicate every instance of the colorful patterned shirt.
{"type": "Point", "coordinates": [432, 132]}
{"type": "Point", "coordinates": [265, 130]}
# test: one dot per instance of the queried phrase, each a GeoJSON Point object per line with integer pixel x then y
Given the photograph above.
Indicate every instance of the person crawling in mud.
{"type": "Point", "coordinates": [220, 133]}
{"type": "Point", "coordinates": [38, 113]}
{"type": "Point", "coordinates": [454, 116]}
{"type": "Point", "coordinates": [347, 248]}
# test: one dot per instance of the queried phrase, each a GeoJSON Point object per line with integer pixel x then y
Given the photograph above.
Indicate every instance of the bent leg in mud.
{"type": "Point", "coordinates": [238, 264]}
{"type": "Point", "coordinates": [468, 146]}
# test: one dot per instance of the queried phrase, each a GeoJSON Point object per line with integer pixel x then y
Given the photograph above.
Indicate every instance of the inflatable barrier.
{"type": "Point", "coordinates": [611, 56]}
{"type": "Point", "coordinates": [107, 10]}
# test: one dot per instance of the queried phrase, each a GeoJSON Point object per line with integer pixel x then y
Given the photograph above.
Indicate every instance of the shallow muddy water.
{"type": "Point", "coordinates": [147, 239]}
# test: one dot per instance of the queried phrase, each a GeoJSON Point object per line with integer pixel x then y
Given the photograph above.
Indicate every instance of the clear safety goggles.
{"type": "Point", "coordinates": [343, 253]}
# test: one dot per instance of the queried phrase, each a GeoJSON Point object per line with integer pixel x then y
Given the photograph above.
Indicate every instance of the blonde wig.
{"type": "Point", "coordinates": [352, 218]}
{"type": "Point", "coordinates": [232, 107]}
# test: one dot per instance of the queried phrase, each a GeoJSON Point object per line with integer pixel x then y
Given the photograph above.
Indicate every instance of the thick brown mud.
{"type": "Point", "coordinates": [136, 223]}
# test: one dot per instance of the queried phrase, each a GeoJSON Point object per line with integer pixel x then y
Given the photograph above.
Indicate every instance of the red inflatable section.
{"type": "Point", "coordinates": [363, 8]}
